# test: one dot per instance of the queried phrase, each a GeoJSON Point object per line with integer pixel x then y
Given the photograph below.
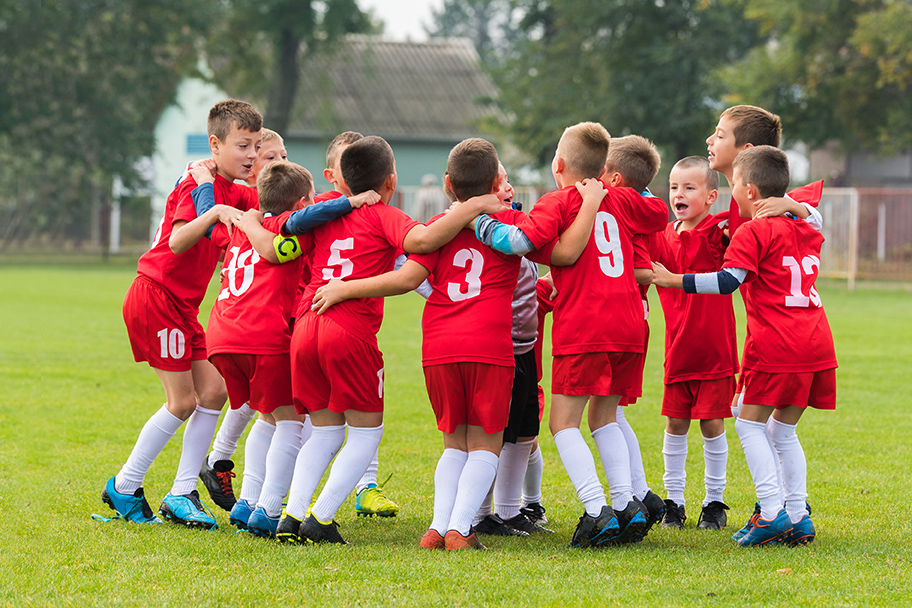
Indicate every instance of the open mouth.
{"type": "Point", "coordinates": [681, 207]}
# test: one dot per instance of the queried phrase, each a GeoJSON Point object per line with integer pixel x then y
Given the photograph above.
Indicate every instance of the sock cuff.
{"type": "Point", "coordinates": [365, 430]}
{"type": "Point", "coordinates": [204, 410]}
{"type": "Point", "coordinates": [567, 434]}
{"type": "Point", "coordinates": [455, 454]}
{"type": "Point", "coordinates": [605, 429]}
{"type": "Point", "coordinates": [711, 440]}
{"type": "Point", "coordinates": [750, 424]}
{"type": "Point", "coordinates": [295, 423]}
{"type": "Point", "coordinates": [530, 442]}
{"type": "Point", "coordinates": [329, 429]}
{"type": "Point", "coordinates": [676, 439]}
{"type": "Point", "coordinates": [261, 426]}
{"type": "Point", "coordinates": [484, 456]}
{"type": "Point", "coordinates": [779, 431]}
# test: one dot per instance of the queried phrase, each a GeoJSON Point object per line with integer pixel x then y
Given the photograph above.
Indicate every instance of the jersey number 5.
{"type": "Point", "coordinates": [336, 260]}
{"type": "Point", "coordinates": [608, 242]}
{"type": "Point", "coordinates": [474, 262]}
{"type": "Point", "coordinates": [809, 264]}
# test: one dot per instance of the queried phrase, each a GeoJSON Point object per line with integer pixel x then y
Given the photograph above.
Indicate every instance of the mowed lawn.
{"type": "Point", "coordinates": [73, 402]}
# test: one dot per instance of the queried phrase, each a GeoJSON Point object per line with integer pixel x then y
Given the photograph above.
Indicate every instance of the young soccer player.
{"type": "Point", "coordinates": [789, 359]}
{"type": "Point", "coordinates": [160, 312]}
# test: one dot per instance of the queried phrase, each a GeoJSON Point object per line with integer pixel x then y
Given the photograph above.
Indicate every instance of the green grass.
{"type": "Point", "coordinates": [73, 402]}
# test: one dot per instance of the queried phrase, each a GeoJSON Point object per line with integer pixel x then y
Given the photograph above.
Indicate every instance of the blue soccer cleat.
{"type": "Point", "coordinates": [750, 523]}
{"type": "Point", "coordinates": [802, 533]}
{"type": "Point", "coordinates": [768, 532]}
{"type": "Point", "coordinates": [240, 514]}
{"type": "Point", "coordinates": [131, 507]}
{"type": "Point", "coordinates": [592, 531]}
{"type": "Point", "coordinates": [261, 524]}
{"type": "Point", "coordinates": [187, 510]}
{"type": "Point", "coordinates": [631, 522]}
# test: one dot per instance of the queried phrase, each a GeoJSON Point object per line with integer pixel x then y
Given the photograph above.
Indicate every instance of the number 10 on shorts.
{"type": "Point", "coordinates": [173, 343]}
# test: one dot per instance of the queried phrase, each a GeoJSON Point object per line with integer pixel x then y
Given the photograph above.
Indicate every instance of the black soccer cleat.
{"type": "Point", "coordinates": [522, 523]}
{"type": "Point", "coordinates": [217, 480]}
{"type": "Point", "coordinates": [655, 510]}
{"type": "Point", "coordinates": [312, 532]}
{"type": "Point", "coordinates": [492, 525]}
{"type": "Point", "coordinates": [593, 531]}
{"type": "Point", "coordinates": [288, 530]}
{"type": "Point", "coordinates": [713, 516]}
{"type": "Point", "coordinates": [674, 515]}
{"type": "Point", "coordinates": [535, 511]}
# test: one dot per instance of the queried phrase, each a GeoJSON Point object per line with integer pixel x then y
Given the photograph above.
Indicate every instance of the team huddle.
{"type": "Point", "coordinates": [292, 334]}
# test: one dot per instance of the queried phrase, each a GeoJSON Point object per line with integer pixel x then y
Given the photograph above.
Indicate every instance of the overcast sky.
{"type": "Point", "coordinates": [405, 19]}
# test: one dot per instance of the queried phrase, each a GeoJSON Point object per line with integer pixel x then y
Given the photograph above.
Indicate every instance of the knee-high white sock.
{"type": "Point", "coordinates": [153, 438]}
{"type": "Point", "coordinates": [532, 483]}
{"type": "Point", "coordinates": [353, 459]}
{"type": "Point", "coordinates": [762, 464]}
{"type": "Point", "coordinates": [280, 463]}
{"type": "Point", "coordinates": [616, 461]}
{"type": "Point", "coordinates": [715, 462]}
{"type": "Point", "coordinates": [197, 436]}
{"type": "Point", "coordinates": [793, 465]}
{"type": "Point", "coordinates": [311, 463]}
{"type": "Point", "coordinates": [485, 509]}
{"type": "Point", "coordinates": [637, 472]}
{"type": "Point", "coordinates": [736, 409]}
{"type": "Point", "coordinates": [477, 476]}
{"type": "Point", "coordinates": [674, 452]}
{"type": "Point", "coordinates": [580, 466]}
{"type": "Point", "coordinates": [256, 449]}
{"type": "Point", "coordinates": [446, 483]}
{"type": "Point", "coordinates": [779, 476]}
{"type": "Point", "coordinates": [306, 430]}
{"type": "Point", "coordinates": [511, 470]}
{"type": "Point", "coordinates": [229, 433]}
{"type": "Point", "coordinates": [370, 475]}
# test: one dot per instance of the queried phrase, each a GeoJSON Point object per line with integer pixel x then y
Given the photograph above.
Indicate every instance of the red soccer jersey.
{"type": "Point", "coordinates": [362, 244]}
{"type": "Point", "coordinates": [305, 258]}
{"type": "Point", "coordinates": [700, 338]}
{"type": "Point", "coordinates": [472, 297]}
{"type": "Point", "coordinates": [186, 276]}
{"type": "Point", "coordinates": [599, 308]}
{"type": "Point", "coordinates": [809, 194]}
{"type": "Point", "coordinates": [250, 315]}
{"type": "Point", "coordinates": [787, 329]}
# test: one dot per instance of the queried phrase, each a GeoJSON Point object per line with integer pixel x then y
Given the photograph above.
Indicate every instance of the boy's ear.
{"type": "Point", "coordinates": [446, 182]}
{"type": "Point", "coordinates": [495, 186]}
{"type": "Point", "coordinates": [615, 179]}
{"type": "Point", "coordinates": [559, 164]}
{"type": "Point", "coordinates": [752, 193]}
{"type": "Point", "coordinates": [328, 176]}
{"type": "Point", "coordinates": [713, 195]}
{"type": "Point", "coordinates": [391, 181]}
{"type": "Point", "coordinates": [214, 144]}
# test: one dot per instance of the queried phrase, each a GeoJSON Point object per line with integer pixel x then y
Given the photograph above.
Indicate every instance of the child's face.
{"type": "Point", "coordinates": [721, 147]}
{"type": "Point", "coordinates": [742, 194]}
{"type": "Point", "coordinates": [504, 189]}
{"type": "Point", "coordinates": [269, 151]}
{"type": "Point", "coordinates": [690, 198]}
{"type": "Point", "coordinates": [235, 156]}
{"type": "Point", "coordinates": [334, 174]}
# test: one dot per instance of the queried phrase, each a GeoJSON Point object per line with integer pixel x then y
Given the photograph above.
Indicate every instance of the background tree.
{"type": "Point", "coordinates": [489, 24]}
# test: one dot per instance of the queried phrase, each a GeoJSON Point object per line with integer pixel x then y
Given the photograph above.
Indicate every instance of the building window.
{"type": "Point", "coordinates": [197, 143]}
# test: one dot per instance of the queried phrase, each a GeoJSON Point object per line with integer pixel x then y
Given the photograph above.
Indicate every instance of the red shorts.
{"type": "Point", "coordinates": [264, 381]}
{"type": "Point", "coordinates": [597, 374]}
{"type": "Point", "coordinates": [699, 399]}
{"type": "Point", "coordinates": [640, 366]}
{"type": "Point", "coordinates": [160, 332]}
{"type": "Point", "coordinates": [806, 389]}
{"type": "Point", "coordinates": [470, 393]}
{"type": "Point", "coordinates": [332, 368]}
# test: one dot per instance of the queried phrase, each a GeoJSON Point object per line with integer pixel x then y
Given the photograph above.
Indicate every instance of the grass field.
{"type": "Point", "coordinates": [74, 401]}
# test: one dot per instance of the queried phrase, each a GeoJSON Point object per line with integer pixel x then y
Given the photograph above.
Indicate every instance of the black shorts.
{"type": "Point", "coordinates": [524, 403]}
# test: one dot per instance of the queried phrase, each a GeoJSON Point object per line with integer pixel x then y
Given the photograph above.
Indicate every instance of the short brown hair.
{"type": "Point", "coordinates": [584, 148]}
{"type": "Point", "coordinates": [711, 178]}
{"type": "Point", "coordinates": [342, 139]}
{"type": "Point", "coordinates": [766, 167]}
{"type": "Point", "coordinates": [233, 113]}
{"type": "Point", "coordinates": [367, 163]}
{"type": "Point", "coordinates": [635, 158]}
{"type": "Point", "coordinates": [754, 126]}
{"type": "Point", "coordinates": [281, 184]}
{"type": "Point", "coordinates": [472, 168]}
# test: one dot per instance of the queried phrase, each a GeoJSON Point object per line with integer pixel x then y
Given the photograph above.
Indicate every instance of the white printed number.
{"type": "Point", "coordinates": [608, 241]}
{"type": "Point", "coordinates": [810, 264]}
{"type": "Point", "coordinates": [336, 260]}
{"type": "Point", "coordinates": [380, 383]}
{"type": "Point", "coordinates": [173, 343]}
{"type": "Point", "coordinates": [473, 261]}
{"type": "Point", "coordinates": [241, 263]}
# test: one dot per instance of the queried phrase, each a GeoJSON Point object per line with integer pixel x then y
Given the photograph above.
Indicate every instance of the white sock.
{"type": "Point", "coordinates": [256, 449]}
{"type": "Point", "coordinates": [446, 483]}
{"type": "Point", "coordinates": [280, 463]}
{"type": "Point", "coordinates": [306, 430]}
{"type": "Point", "coordinates": [616, 462]}
{"type": "Point", "coordinates": [637, 472]}
{"type": "Point", "coordinates": [197, 436]}
{"type": "Point", "coordinates": [715, 462]}
{"type": "Point", "coordinates": [485, 509]}
{"type": "Point", "coordinates": [508, 485]}
{"type": "Point", "coordinates": [736, 409]}
{"type": "Point", "coordinates": [674, 452]}
{"type": "Point", "coordinates": [311, 463]}
{"type": "Point", "coordinates": [794, 467]}
{"type": "Point", "coordinates": [477, 476]}
{"type": "Point", "coordinates": [233, 424]}
{"type": "Point", "coordinates": [772, 445]}
{"type": "Point", "coordinates": [353, 459]}
{"type": "Point", "coordinates": [762, 464]}
{"type": "Point", "coordinates": [370, 475]}
{"type": "Point", "coordinates": [580, 466]}
{"type": "Point", "coordinates": [532, 483]}
{"type": "Point", "coordinates": [153, 438]}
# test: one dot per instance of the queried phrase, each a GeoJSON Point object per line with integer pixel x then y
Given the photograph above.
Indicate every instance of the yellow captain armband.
{"type": "Point", "coordinates": [287, 248]}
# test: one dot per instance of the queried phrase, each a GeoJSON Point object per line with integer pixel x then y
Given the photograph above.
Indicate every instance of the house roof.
{"type": "Point", "coordinates": [431, 91]}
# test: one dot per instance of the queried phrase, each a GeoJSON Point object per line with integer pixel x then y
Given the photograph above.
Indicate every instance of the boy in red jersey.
{"type": "Point", "coordinates": [594, 363]}
{"type": "Point", "coordinates": [789, 359]}
{"type": "Point", "coordinates": [160, 311]}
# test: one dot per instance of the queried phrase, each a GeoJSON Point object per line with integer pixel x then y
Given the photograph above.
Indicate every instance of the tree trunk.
{"type": "Point", "coordinates": [283, 89]}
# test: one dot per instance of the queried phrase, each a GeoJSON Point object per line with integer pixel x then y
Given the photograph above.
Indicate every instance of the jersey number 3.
{"type": "Point", "coordinates": [473, 261]}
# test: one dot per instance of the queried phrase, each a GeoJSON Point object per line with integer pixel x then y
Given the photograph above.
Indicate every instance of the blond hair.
{"type": "Point", "coordinates": [584, 148]}
{"type": "Point", "coordinates": [635, 158]}
{"type": "Point", "coordinates": [269, 135]}
{"type": "Point", "coordinates": [711, 178]}
{"type": "Point", "coordinates": [342, 139]}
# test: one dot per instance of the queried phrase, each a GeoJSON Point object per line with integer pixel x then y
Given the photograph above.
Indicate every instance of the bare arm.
{"type": "Point", "coordinates": [643, 276]}
{"type": "Point", "coordinates": [573, 241]}
{"type": "Point", "coordinates": [425, 239]}
{"type": "Point", "coordinates": [185, 235]}
{"type": "Point", "coordinates": [392, 283]}
{"type": "Point", "coordinates": [260, 238]}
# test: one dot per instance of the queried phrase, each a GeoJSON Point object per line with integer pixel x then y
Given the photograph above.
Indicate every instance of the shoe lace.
{"type": "Point", "coordinates": [225, 478]}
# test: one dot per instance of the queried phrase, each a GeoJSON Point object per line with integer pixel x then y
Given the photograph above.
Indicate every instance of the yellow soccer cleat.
{"type": "Point", "coordinates": [371, 501]}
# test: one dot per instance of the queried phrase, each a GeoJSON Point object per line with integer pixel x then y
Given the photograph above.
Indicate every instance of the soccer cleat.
{"type": "Point", "coordinates": [217, 480]}
{"type": "Point", "coordinates": [750, 523]}
{"type": "Point", "coordinates": [287, 531]}
{"type": "Point", "coordinates": [712, 516]}
{"type": "Point", "coordinates": [312, 531]}
{"type": "Point", "coordinates": [371, 501]}
{"type": "Point", "coordinates": [674, 515]}
{"type": "Point", "coordinates": [802, 533]}
{"type": "Point", "coordinates": [454, 541]}
{"type": "Point", "coordinates": [632, 524]}
{"type": "Point", "coordinates": [260, 524]}
{"type": "Point", "coordinates": [131, 507]}
{"type": "Point", "coordinates": [768, 532]}
{"type": "Point", "coordinates": [535, 512]}
{"type": "Point", "coordinates": [187, 510]}
{"type": "Point", "coordinates": [655, 510]}
{"type": "Point", "coordinates": [432, 540]}
{"type": "Point", "coordinates": [492, 525]}
{"type": "Point", "coordinates": [522, 523]}
{"type": "Point", "coordinates": [240, 514]}
{"type": "Point", "coordinates": [591, 531]}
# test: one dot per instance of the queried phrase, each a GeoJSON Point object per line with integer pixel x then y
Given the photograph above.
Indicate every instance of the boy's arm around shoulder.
{"type": "Point", "coordinates": [427, 238]}
{"type": "Point", "coordinates": [392, 283]}
{"type": "Point", "coordinates": [574, 239]}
